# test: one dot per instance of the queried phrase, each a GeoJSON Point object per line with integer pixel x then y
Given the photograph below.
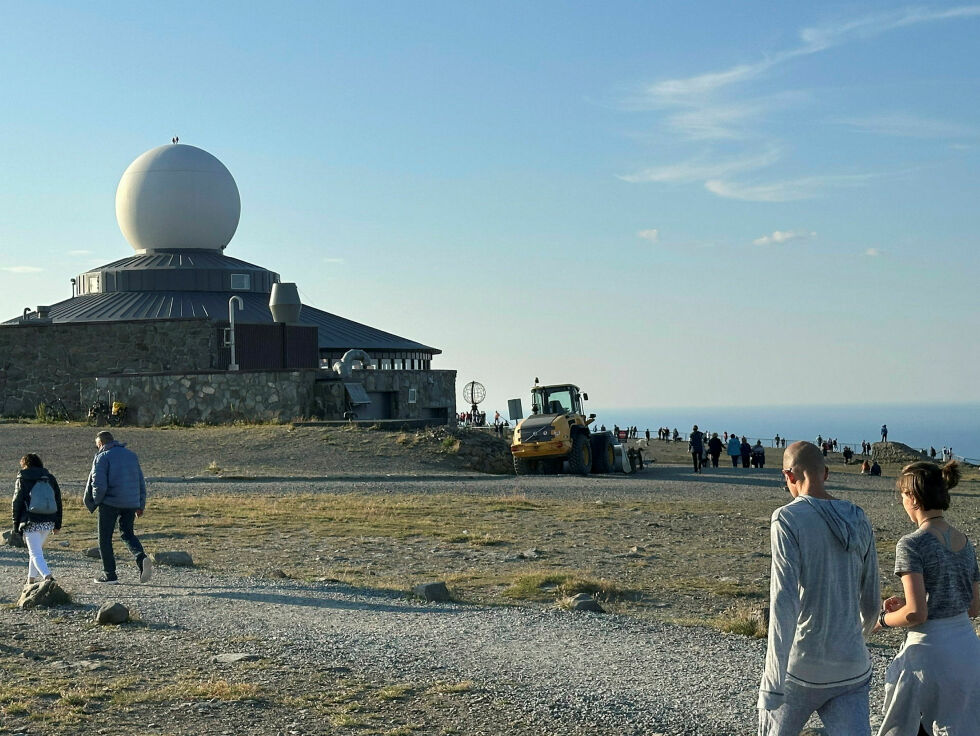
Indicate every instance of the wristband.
{"type": "Point", "coordinates": [881, 619]}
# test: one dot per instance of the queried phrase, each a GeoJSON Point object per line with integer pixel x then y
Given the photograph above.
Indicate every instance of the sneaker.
{"type": "Point", "coordinates": [145, 565]}
{"type": "Point", "coordinates": [106, 578]}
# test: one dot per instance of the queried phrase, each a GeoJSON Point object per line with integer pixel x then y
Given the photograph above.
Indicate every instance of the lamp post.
{"type": "Point", "coordinates": [233, 366]}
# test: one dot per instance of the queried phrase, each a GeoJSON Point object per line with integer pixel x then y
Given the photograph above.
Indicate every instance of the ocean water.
{"type": "Point", "coordinates": [917, 425]}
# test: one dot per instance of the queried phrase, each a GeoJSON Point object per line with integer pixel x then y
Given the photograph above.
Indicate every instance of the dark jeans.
{"type": "Point", "coordinates": [714, 460]}
{"type": "Point", "coordinates": [696, 456]}
{"type": "Point", "coordinates": [107, 525]}
{"type": "Point", "coordinates": [735, 459]}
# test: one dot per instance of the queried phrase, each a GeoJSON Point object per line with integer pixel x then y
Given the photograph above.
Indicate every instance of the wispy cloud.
{"type": "Point", "coordinates": [79, 252]}
{"type": "Point", "coordinates": [693, 90]}
{"type": "Point", "coordinates": [873, 252]}
{"type": "Point", "coordinates": [653, 235]}
{"type": "Point", "coordinates": [21, 269]}
{"type": "Point", "coordinates": [779, 237]}
{"type": "Point", "coordinates": [910, 126]}
{"type": "Point", "coordinates": [699, 169]}
{"type": "Point", "coordinates": [700, 108]}
{"type": "Point", "coordinates": [333, 260]}
{"type": "Point", "coordinates": [785, 191]}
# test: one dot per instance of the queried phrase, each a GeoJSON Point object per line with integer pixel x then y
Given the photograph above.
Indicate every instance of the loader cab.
{"type": "Point", "coordinates": [563, 399]}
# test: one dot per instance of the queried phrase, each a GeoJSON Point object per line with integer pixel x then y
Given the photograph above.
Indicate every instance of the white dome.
{"type": "Point", "coordinates": [177, 196]}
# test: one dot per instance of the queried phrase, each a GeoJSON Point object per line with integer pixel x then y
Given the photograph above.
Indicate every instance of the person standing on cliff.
{"type": "Point", "coordinates": [116, 488]}
{"type": "Point", "coordinates": [884, 433]}
{"type": "Point", "coordinates": [824, 598]}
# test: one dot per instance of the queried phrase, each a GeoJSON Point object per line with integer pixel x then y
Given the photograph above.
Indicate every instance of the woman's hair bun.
{"type": "Point", "coordinates": [951, 474]}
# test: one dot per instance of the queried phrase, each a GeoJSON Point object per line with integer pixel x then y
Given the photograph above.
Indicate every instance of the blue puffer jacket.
{"type": "Point", "coordinates": [734, 446]}
{"type": "Point", "coordinates": [116, 479]}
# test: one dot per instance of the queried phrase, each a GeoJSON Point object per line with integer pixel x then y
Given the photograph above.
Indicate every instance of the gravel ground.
{"type": "Point", "coordinates": [464, 669]}
{"type": "Point", "coordinates": [534, 671]}
{"type": "Point", "coordinates": [542, 671]}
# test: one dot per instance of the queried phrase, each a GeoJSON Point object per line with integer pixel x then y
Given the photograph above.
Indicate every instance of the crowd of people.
{"type": "Point", "coordinates": [825, 600]}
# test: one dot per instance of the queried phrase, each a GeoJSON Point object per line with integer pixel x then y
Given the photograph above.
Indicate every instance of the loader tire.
{"type": "Point", "coordinates": [603, 456]}
{"type": "Point", "coordinates": [580, 461]}
{"type": "Point", "coordinates": [523, 466]}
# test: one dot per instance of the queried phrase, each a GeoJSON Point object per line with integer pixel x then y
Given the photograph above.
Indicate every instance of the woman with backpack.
{"type": "Point", "coordinates": [36, 510]}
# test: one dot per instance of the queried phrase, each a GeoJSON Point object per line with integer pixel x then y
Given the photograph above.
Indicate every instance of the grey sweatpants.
{"type": "Point", "coordinates": [844, 710]}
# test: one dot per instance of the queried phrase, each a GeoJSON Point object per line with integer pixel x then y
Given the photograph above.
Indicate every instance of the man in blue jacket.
{"type": "Point", "coordinates": [117, 489]}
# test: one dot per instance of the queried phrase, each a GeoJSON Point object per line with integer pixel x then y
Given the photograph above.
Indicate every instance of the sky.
{"type": "Point", "coordinates": [666, 203]}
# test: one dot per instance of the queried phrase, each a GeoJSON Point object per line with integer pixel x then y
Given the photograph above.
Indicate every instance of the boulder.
{"type": "Point", "coordinates": [174, 559]}
{"type": "Point", "coordinates": [895, 453]}
{"type": "Point", "coordinates": [433, 592]}
{"type": "Point", "coordinates": [111, 614]}
{"type": "Point", "coordinates": [530, 554]}
{"type": "Point", "coordinates": [233, 657]}
{"type": "Point", "coordinates": [45, 593]}
{"type": "Point", "coordinates": [583, 602]}
{"type": "Point", "coordinates": [94, 553]}
{"type": "Point", "coordinates": [13, 539]}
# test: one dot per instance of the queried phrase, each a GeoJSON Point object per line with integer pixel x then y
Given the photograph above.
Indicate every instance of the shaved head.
{"type": "Point", "coordinates": [804, 459]}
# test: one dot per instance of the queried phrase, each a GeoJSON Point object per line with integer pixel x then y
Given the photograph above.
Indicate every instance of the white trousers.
{"type": "Point", "coordinates": [37, 567]}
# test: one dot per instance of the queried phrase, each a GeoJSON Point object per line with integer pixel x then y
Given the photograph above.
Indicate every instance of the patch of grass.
{"type": "Point", "coordinates": [449, 444]}
{"type": "Point", "coordinates": [742, 620]}
{"type": "Point", "coordinates": [452, 688]}
{"type": "Point", "coordinates": [394, 692]}
{"type": "Point", "coordinates": [347, 720]}
{"type": "Point", "coordinates": [214, 468]}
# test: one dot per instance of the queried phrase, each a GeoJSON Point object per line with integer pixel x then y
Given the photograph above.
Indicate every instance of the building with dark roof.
{"type": "Point", "coordinates": [179, 208]}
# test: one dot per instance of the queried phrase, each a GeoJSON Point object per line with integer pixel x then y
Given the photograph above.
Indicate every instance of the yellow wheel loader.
{"type": "Point", "coordinates": [558, 431]}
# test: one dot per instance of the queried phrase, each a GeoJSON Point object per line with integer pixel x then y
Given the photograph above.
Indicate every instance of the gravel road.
{"type": "Point", "coordinates": [536, 671]}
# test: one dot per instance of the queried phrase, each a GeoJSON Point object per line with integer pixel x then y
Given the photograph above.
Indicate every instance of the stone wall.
{"type": "Point", "coordinates": [264, 396]}
{"type": "Point", "coordinates": [211, 398]}
{"type": "Point", "coordinates": [42, 361]}
{"type": "Point", "coordinates": [171, 371]}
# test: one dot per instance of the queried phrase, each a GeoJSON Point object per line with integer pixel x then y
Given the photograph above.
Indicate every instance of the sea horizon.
{"type": "Point", "coordinates": [918, 425]}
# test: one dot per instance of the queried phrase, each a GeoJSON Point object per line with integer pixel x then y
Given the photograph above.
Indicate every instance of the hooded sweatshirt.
{"type": "Point", "coordinates": [824, 597]}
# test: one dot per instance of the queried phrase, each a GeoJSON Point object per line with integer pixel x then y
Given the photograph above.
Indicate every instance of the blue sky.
{"type": "Point", "coordinates": [671, 204]}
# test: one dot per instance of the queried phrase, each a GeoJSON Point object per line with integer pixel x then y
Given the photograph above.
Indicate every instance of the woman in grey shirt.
{"type": "Point", "coordinates": [933, 686]}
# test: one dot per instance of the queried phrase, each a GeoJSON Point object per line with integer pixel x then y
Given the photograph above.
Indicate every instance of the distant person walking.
{"type": "Point", "coordinates": [36, 509]}
{"type": "Point", "coordinates": [758, 455]}
{"type": "Point", "coordinates": [715, 448]}
{"type": "Point", "coordinates": [745, 450]}
{"type": "Point", "coordinates": [734, 449]}
{"type": "Point", "coordinates": [696, 447]}
{"type": "Point", "coordinates": [824, 597]}
{"type": "Point", "coordinates": [933, 685]}
{"type": "Point", "coordinates": [116, 488]}
{"type": "Point", "coordinates": [884, 433]}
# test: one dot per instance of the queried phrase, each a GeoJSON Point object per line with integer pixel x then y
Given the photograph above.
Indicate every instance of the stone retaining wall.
{"type": "Point", "coordinates": [266, 396]}
{"type": "Point", "coordinates": [40, 361]}
{"type": "Point", "coordinates": [211, 398]}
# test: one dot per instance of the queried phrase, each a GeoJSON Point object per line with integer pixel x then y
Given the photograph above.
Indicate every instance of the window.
{"type": "Point", "coordinates": [241, 281]}
{"type": "Point", "coordinates": [412, 395]}
{"type": "Point", "coordinates": [93, 285]}
{"type": "Point", "coordinates": [385, 364]}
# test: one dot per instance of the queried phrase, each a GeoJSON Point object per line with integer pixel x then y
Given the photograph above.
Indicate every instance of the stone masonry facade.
{"type": "Point", "coordinates": [172, 372]}
{"type": "Point", "coordinates": [41, 362]}
{"type": "Point", "coordinates": [266, 396]}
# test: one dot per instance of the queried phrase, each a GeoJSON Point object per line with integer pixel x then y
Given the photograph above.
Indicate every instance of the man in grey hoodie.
{"type": "Point", "coordinates": [824, 599]}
